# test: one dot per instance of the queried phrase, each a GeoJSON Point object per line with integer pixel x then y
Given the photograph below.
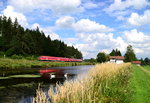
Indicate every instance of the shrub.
{"type": "Point", "coordinates": [16, 56]}
{"type": "Point", "coordinates": [2, 54]}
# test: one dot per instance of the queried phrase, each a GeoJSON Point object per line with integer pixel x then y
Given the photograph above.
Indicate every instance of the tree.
{"type": "Point", "coordinates": [101, 57]}
{"type": "Point", "coordinates": [92, 60]}
{"type": "Point", "coordinates": [14, 39]}
{"type": "Point", "coordinates": [115, 53]}
{"type": "Point", "coordinates": [142, 61]}
{"type": "Point", "coordinates": [147, 61]}
{"type": "Point", "coordinates": [130, 55]}
{"type": "Point", "coordinates": [112, 53]}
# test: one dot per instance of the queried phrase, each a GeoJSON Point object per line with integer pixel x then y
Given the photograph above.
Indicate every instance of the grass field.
{"type": "Point", "coordinates": [140, 84]}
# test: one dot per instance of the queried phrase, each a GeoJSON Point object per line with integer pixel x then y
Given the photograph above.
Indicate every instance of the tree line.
{"type": "Point", "coordinates": [15, 40]}
{"type": "Point", "coordinates": [145, 61]}
{"type": "Point", "coordinates": [129, 55]}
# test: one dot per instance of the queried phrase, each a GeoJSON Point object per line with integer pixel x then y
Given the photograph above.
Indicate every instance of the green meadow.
{"type": "Point", "coordinates": [140, 84]}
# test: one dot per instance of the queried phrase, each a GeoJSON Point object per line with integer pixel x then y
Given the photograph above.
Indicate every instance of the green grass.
{"type": "Point", "coordinates": [147, 68]}
{"type": "Point", "coordinates": [25, 76]}
{"type": "Point", "coordinates": [21, 76]}
{"type": "Point", "coordinates": [4, 77]}
{"type": "Point", "coordinates": [140, 85]}
{"type": "Point", "coordinates": [7, 63]}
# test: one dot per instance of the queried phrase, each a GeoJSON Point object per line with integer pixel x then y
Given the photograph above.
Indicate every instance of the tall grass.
{"type": "Point", "coordinates": [104, 83]}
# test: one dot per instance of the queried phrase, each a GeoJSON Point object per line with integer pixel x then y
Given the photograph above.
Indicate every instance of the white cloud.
{"type": "Point", "coordinates": [90, 5]}
{"type": "Point", "coordinates": [86, 25]}
{"type": "Point", "coordinates": [57, 6]}
{"type": "Point", "coordinates": [87, 51]}
{"type": "Point", "coordinates": [122, 8]}
{"type": "Point", "coordinates": [121, 44]}
{"type": "Point", "coordinates": [92, 43]}
{"type": "Point", "coordinates": [10, 12]}
{"type": "Point", "coordinates": [35, 25]}
{"type": "Point", "coordinates": [135, 36]}
{"type": "Point", "coordinates": [83, 25]}
{"type": "Point", "coordinates": [139, 41]}
{"type": "Point", "coordinates": [70, 41]}
{"type": "Point", "coordinates": [65, 22]}
{"type": "Point", "coordinates": [138, 20]}
{"type": "Point", "coordinates": [99, 42]}
{"type": "Point", "coordinates": [138, 50]}
{"type": "Point", "coordinates": [47, 31]}
{"type": "Point", "coordinates": [122, 5]}
{"type": "Point", "coordinates": [53, 35]}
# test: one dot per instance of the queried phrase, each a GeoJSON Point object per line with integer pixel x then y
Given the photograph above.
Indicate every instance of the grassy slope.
{"type": "Point", "coordinates": [140, 85]}
{"type": "Point", "coordinates": [19, 66]}
{"type": "Point", "coordinates": [23, 63]}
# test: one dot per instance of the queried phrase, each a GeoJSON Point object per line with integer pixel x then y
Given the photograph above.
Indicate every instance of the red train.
{"type": "Point", "coordinates": [51, 58]}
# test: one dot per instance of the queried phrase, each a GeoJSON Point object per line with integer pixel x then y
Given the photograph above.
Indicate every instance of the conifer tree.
{"type": "Point", "coordinates": [16, 40]}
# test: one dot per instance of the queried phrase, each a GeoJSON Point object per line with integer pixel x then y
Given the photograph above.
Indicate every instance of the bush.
{"type": "Point", "coordinates": [31, 57]}
{"type": "Point", "coordinates": [2, 54]}
{"type": "Point", "coordinates": [16, 56]}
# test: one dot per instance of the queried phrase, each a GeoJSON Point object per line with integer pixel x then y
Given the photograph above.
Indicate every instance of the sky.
{"type": "Point", "coordinates": [92, 26]}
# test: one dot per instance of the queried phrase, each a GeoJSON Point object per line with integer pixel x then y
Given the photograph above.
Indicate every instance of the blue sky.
{"type": "Point", "coordinates": [92, 26]}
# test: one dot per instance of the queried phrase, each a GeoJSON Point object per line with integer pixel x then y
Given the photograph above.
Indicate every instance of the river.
{"type": "Point", "coordinates": [21, 88]}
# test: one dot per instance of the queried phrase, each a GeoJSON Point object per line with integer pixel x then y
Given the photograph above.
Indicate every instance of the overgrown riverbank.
{"type": "Point", "coordinates": [104, 83]}
{"type": "Point", "coordinates": [20, 66]}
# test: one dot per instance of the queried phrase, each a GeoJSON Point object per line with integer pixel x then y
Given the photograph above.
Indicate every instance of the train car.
{"type": "Point", "coordinates": [51, 58]}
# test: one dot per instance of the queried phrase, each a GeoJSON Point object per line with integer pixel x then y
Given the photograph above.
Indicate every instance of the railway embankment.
{"type": "Point", "coordinates": [10, 66]}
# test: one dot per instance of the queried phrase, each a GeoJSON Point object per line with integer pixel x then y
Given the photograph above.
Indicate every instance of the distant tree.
{"type": "Point", "coordinates": [92, 60]}
{"type": "Point", "coordinates": [130, 55]}
{"type": "Point", "coordinates": [101, 57]}
{"type": "Point", "coordinates": [115, 53]}
{"type": "Point", "coordinates": [119, 53]}
{"type": "Point", "coordinates": [142, 61]}
{"type": "Point", "coordinates": [112, 53]}
{"type": "Point", "coordinates": [147, 61]}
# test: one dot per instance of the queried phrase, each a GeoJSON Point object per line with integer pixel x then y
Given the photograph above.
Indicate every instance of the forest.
{"type": "Point", "coordinates": [16, 40]}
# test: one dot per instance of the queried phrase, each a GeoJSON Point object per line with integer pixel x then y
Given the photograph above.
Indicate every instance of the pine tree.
{"type": "Point", "coordinates": [115, 53]}
{"type": "Point", "coordinates": [16, 40]}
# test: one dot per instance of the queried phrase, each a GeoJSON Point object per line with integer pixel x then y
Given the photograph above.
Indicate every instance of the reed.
{"type": "Point", "coordinates": [104, 83]}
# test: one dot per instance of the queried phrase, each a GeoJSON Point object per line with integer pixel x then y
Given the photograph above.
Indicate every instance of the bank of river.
{"type": "Point", "coordinates": [20, 88]}
{"type": "Point", "coordinates": [16, 66]}
{"type": "Point", "coordinates": [8, 63]}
